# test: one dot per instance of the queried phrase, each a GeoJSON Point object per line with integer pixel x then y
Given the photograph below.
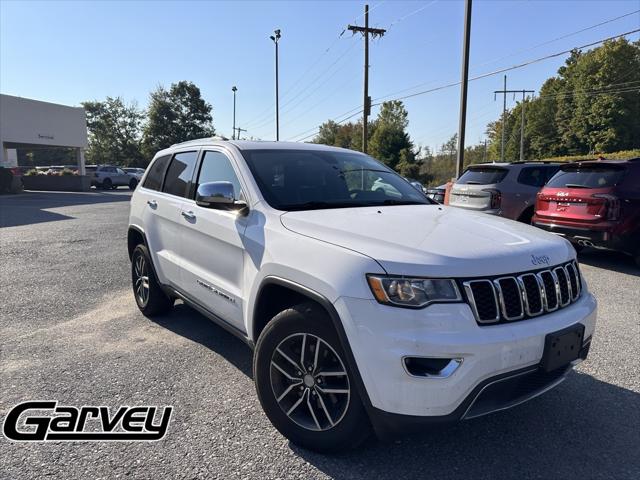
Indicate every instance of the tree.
{"type": "Point", "coordinates": [593, 104]}
{"type": "Point", "coordinates": [176, 115]}
{"type": "Point", "coordinates": [390, 137]}
{"type": "Point", "coordinates": [114, 132]}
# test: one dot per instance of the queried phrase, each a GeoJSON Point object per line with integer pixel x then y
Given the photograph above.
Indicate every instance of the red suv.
{"type": "Point", "coordinates": [594, 204]}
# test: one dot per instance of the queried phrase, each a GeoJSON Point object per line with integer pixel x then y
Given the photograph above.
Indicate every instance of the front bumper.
{"type": "Point", "coordinates": [381, 336]}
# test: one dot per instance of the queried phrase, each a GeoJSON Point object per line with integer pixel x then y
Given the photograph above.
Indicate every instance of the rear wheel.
{"type": "Point", "coordinates": [150, 298]}
{"type": "Point", "coordinates": [304, 383]}
{"type": "Point", "coordinates": [107, 184]}
{"type": "Point", "coordinates": [132, 184]}
{"type": "Point", "coordinates": [527, 216]}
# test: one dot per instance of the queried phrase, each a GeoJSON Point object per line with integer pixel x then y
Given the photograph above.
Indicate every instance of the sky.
{"type": "Point", "coordinates": [69, 52]}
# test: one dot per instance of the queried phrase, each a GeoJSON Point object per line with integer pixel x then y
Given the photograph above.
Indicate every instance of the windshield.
{"type": "Point", "coordinates": [482, 176]}
{"type": "Point", "coordinates": [587, 177]}
{"type": "Point", "coordinates": [308, 179]}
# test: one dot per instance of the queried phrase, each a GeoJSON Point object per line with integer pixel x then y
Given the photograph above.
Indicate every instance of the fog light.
{"type": "Point", "coordinates": [431, 367]}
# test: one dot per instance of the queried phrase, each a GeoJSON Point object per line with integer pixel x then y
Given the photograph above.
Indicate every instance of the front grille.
{"type": "Point", "coordinates": [524, 295]}
{"type": "Point", "coordinates": [550, 290]}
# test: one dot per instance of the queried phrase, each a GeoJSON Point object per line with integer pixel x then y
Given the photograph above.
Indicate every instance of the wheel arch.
{"type": "Point", "coordinates": [135, 236]}
{"type": "Point", "coordinates": [300, 293]}
{"type": "Point", "coordinates": [527, 214]}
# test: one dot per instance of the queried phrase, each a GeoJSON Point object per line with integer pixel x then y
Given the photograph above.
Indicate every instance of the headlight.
{"type": "Point", "coordinates": [413, 292]}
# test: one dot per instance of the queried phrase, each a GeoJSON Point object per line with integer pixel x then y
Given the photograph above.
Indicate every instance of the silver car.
{"type": "Point", "coordinates": [505, 189]}
{"type": "Point", "coordinates": [110, 177]}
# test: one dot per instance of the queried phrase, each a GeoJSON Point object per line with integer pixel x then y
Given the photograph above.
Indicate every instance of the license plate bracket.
{"type": "Point", "coordinates": [562, 347]}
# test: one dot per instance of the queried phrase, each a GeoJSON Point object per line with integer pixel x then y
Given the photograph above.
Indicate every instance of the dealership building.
{"type": "Point", "coordinates": [32, 124]}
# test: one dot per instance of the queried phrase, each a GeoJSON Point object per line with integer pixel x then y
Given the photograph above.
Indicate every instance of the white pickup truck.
{"type": "Point", "coordinates": [368, 312]}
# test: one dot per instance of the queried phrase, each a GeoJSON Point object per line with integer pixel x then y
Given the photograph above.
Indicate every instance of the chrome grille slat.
{"type": "Point", "coordinates": [502, 283]}
{"type": "Point", "coordinates": [482, 317]}
{"type": "Point", "coordinates": [529, 294]}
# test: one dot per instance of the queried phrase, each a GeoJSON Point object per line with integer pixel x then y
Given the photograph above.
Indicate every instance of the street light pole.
{"type": "Point", "coordinates": [275, 39]}
{"type": "Point", "coordinates": [234, 89]}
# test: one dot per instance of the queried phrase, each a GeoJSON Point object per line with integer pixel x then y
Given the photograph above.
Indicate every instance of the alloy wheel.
{"type": "Point", "coordinates": [141, 286]}
{"type": "Point", "coordinates": [310, 382]}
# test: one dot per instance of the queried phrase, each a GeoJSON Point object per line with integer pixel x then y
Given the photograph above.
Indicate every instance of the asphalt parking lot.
{"type": "Point", "coordinates": [70, 331]}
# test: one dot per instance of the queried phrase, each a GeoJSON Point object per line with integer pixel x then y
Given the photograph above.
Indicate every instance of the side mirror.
{"type": "Point", "coordinates": [218, 195]}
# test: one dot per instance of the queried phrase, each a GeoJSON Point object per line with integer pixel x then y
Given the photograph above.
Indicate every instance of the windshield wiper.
{"type": "Point", "coordinates": [402, 202]}
{"type": "Point", "coordinates": [574, 185]}
{"type": "Point", "coordinates": [365, 170]}
{"type": "Point", "coordinates": [316, 205]}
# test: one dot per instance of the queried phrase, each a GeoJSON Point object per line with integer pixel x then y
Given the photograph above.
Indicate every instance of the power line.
{"type": "Point", "coordinates": [291, 108]}
{"type": "Point", "coordinates": [528, 49]}
{"type": "Point", "coordinates": [514, 67]}
{"type": "Point", "coordinates": [519, 51]}
{"type": "Point", "coordinates": [265, 113]}
{"type": "Point", "coordinates": [315, 130]}
{"type": "Point", "coordinates": [400, 19]}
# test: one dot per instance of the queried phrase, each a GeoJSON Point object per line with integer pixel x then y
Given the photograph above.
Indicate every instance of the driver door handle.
{"type": "Point", "coordinates": [189, 215]}
{"type": "Point", "coordinates": [152, 203]}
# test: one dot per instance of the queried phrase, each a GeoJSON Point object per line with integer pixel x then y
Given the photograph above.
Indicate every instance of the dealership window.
{"type": "Point", "coordinates": [179, 173]}
{"type": "Point", "coordinates": [156, 173]}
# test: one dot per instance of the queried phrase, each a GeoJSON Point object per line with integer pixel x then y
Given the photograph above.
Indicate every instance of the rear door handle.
{"type": "Point", "coordinates": [189, 215]}
{"type": "Point", "coordinates": [152, 203]}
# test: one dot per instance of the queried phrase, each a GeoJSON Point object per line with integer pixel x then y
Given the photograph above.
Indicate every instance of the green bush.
{"type": "Point", "coordinates": [622, 155]}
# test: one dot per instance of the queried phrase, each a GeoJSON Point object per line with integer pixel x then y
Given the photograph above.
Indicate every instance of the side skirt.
{"type": "Point", "coordinates": [210, 315]}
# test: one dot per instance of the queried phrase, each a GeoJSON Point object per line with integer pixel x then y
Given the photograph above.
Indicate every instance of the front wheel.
{"type": "Point", "coordinates": [132, 184]}
{"type": "Point", "coordinates": [150, 298]}
{"type": "Point", "coordinates": [304, 383]}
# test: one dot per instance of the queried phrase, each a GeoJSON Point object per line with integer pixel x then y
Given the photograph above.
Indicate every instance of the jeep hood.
{"type": "Point", "coordinates": [432, 240]}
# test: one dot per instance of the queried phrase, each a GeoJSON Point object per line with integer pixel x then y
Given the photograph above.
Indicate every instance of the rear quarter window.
{"type": "Point", "coordinates": [587, 177]}
{"type": "Point", "coordinates": [153, 181]}
{"type": "Point", "coordinates": [483, 176]}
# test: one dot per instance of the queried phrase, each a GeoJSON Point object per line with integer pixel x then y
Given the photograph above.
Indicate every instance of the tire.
{"type": "Point", "coordinates": [637, 259]}
{"type": "Point", "coordinates": [527, 217]}
{"type": "Point", "coordinates": [150, 298]}
{"type": "Point", "coordinates": [107, 184]}
{"type": "Point", "coordinates": [133, 183]}
{"type": "Point", "coordinates": [332, 421]}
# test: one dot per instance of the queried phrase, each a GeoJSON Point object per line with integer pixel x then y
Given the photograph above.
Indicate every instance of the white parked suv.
{"type": "Point", "coordinates": [368, 312]}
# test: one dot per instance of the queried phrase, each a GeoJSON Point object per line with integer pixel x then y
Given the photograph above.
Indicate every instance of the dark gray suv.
{"type": "Point", "coordinates": [505, 189]}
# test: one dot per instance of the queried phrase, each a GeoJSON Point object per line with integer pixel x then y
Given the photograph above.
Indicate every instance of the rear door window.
{"type": "Point", "coordinates": [532, 176]}
{"type": "Point", "coordinates": [587, 177]}
{"type": "Point", "coordinates": [179, 173]}
{"type": "Point", "coordinates": [153, 181]}
{"type": "Point", "coordinates": [536, 176]}
{"type": "Point", "coordinates": [483, 176]}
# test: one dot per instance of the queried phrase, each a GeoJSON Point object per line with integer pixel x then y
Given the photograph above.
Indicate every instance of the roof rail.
{"type": "Point", "coordinates": [214, 138]}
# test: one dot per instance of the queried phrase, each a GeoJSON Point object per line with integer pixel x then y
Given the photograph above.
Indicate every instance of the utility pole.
{"type": "Point", "coordinates": [463, 87]}
{"type": "Point", "coordinates": [234, 89]}
{"type": "Point", "coordinates": [367, 100]}
{"type": "Point", "coordinates": [484, 152]}
{"type": "Point", "coordinates": [275, 39]}
{"type": "Point", "coordinates": [504, 113]}
{"type": "Point", "coordinates": [240, 130]}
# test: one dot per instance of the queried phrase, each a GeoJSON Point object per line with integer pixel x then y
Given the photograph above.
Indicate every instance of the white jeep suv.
{"type": "Point", "coordinates": [367, 312]}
